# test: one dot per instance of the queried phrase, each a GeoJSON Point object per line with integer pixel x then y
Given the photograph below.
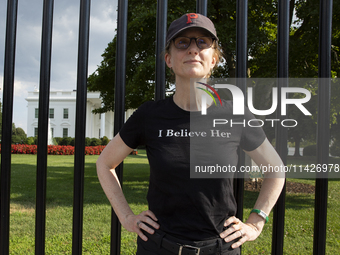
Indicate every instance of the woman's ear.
{"type": "Point", "coordinates": [214, 60]}
{"type": "Point", "coordinates": [167, 58]}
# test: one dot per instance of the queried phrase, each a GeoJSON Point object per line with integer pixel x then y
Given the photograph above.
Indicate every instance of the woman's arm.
{"type": "Point", "coordinates": [273, 182]}
{"type": "Point", "coordinates": [264, 155]}
{"type": "Point", "coordinates": [113, 154]}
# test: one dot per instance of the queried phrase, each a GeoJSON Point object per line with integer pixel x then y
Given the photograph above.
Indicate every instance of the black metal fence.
{"type": "Point", "coordinates": [320, 221]}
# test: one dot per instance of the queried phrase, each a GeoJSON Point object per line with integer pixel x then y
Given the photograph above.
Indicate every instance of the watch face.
{"type": "Point", "coordinates": [262, 214]}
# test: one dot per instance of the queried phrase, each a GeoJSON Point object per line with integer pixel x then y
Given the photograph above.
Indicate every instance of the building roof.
{"type": "Point", "coordinates": [64, 95]}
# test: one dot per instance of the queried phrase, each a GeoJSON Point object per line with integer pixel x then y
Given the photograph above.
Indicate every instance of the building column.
{"type": "Point", "coordinates": [102, 125]}
{"type": "Point", "coordinates": [91, 123]}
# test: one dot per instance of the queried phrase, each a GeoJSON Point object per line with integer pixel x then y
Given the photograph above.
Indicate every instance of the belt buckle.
{"type": "Point", "coordinates": [181, 246]}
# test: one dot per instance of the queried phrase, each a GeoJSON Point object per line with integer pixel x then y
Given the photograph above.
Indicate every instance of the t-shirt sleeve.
{"type": "Point", "coordinates": [133, 130]}
{"type": "Point", "coordinates": [252, 135]}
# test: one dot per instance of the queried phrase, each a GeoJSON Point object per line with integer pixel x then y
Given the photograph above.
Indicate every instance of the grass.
{"type": "Point", "coordinates": [97, 212]}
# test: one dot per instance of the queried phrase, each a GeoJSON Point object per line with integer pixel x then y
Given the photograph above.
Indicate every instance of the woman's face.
{"type": "Point", "coordinates": [192, 62]}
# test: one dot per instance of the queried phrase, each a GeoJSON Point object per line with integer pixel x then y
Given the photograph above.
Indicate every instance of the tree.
{"type": "Point", "coordinates": [18, 135]}
{"type": "Point", "coordinates": [262, 44]}
{"type": "Point", "coordinates": [140, 68]}
{"type": "Point", "coordinates": [141, 37]}
{"type": "Point", "coordinates": [303, 62]}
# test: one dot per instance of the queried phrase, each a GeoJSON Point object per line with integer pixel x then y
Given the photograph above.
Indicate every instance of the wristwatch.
{"type": "Point", "coordinates": [261, 214]}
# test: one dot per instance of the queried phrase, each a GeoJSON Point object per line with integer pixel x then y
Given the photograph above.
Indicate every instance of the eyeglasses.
{"type": "Point", "coordinates": [203, 42]}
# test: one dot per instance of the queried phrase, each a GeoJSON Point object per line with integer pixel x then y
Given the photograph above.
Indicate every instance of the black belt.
{"type": "Point", "coordinates": [183, 249]}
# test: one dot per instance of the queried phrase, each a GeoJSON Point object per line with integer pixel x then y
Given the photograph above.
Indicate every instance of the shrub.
{"type": "Point", "coordinates": [23, 149]}
{"type": "Point", "coordinates": [95, 142]}
{"type": "Point", "coordinates": [53, 149]}
{"type": "Point", "coordinates": [18, 135]}
{"type": "Point", "coordinates": [335, 148]}
{"type": "Point", "coordinates": [58, 140]}
{"type": "Point", "coordinates": [54, 142]}
{"type": "Point", "coordinates": [73, 141]}
{"type": "Point", "coordinates": [65, 141]}
{"type": "Point", "coordinates": [16, 139]}
{"type": "Point", "coordinates": [94, 150]}
{"type": "Point", "coordinates": [87, 141]}
{"type": "Point", "coordinates": [105, 140]}
{"type": "Point", "coordinates": [310, 150]}
{"type": "Point", "coordinates": [30, 140]}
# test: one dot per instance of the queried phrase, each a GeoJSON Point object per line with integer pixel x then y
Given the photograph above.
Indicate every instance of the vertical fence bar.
{"type": "Point", "coordinates": [241, 75]}
{"type": "Point", "coordinates": [202, 7]}
{"type": "Point", "coordinates": [162, 11]}
{"type": "Point", "coordinates": [79, 157]}
{"type": "Point", "coordinates": [283, 41]}
{"type": "Point", "coordinates": [44, 98]}
{"type": "Point", "coordinates": [241, 42]}
{"type": "Point", "coordinates": [281, 134]}
{"type": "Point", "coordinates": [7, 119]}
{"type": "Point", "coordinates": [119, 106]}
{"type": "Point", "coordinates": [323, 133]}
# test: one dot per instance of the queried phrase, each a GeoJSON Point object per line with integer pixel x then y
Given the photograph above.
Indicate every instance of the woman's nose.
{"type": "Point", "coordinates": [193, 49]}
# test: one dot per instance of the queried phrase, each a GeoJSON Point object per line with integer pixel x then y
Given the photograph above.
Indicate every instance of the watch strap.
{"type": "Point", "coordinates": [261, 214]}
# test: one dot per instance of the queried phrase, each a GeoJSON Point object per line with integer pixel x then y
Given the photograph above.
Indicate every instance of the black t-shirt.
{"type": "Point", "coordinates": [189, 208]}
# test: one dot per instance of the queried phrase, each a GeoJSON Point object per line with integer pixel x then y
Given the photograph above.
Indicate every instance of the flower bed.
{"type": "Point", "coordinates": [54, 149]}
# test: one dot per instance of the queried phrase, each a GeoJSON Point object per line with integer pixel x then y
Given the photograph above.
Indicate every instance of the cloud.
{"type": "Point", "coordinates": [64, 45]}
{"type": "Point", "coordinates": [102, 30]}
{"type": "Point", "coordinates": [20, 87]}
{"type": "Point", "coordinates": [19, 103]}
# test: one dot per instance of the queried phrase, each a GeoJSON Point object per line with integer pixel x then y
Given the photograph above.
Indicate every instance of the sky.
{"type": "Point", "coordinates": [103, 23]}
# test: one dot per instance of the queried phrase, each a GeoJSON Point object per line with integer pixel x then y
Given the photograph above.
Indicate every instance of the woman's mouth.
{"type": "Point", "coordinates": [192, 61]}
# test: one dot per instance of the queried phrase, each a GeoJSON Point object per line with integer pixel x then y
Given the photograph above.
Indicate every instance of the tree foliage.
{"type": "Point", "coordinates": [303, 43]}
{"type": "Point", "coordinates": [262, 50]}
{"type": "Point", "coordinates": [18, 135]}
{"type": "Point", "coordinates": [141, 37]}
{"type": "Point", "coordinates": [140, 67]}
{"type": "Point", "coordinates": [262, 44]}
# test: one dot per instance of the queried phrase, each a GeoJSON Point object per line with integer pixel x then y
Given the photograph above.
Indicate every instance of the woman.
{"type": "Point", "coordinates": [187, 215]}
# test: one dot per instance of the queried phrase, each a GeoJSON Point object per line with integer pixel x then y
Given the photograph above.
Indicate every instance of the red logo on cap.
{"type": "Point", "coordinates": [191, 16]}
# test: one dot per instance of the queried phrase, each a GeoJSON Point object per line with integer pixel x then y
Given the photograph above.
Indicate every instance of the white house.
{"type": "Point", "coordinates": [62, 115]}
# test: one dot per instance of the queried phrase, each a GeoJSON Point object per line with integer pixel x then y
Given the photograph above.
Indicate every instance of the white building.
{"type": "Point", "coordinates": [62, 115]}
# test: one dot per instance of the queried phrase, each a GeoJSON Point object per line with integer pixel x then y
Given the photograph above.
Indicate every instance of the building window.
{"type": "Point", "coordinates": [65, 132]}
{"type": "Point", "coordinates": [65, 113]}
{"type": "Point", "coordinates": [36, 113]}
{"type": "Point", "coordinates": [35, 132]}
{"type": "Point", "coordinates": [51, 113]}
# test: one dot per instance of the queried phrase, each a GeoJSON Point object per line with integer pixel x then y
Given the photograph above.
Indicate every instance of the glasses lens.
{"type": "Point", "coordinates": [204, 42]}
{"type": "Point", "coordinates": [201, 42]}
{"type": "Point", "coordinates": [182, 42]}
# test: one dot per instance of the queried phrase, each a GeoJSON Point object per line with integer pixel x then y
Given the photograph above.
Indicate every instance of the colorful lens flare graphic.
{"type": "Point", "coordinates": [208, 92]}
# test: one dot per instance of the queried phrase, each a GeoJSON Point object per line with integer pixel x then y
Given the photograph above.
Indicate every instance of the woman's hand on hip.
{"type": "Point", "coordinates": [137, 223]}
{"type": "Point", "coordinates": [238, 229]}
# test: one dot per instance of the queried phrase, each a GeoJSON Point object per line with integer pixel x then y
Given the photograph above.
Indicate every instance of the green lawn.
{"type": "Point", "coordinates": [97, 212]}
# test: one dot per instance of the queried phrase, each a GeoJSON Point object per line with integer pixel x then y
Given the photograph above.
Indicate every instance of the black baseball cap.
{"type": "Point", "coordinates": [190, 20]}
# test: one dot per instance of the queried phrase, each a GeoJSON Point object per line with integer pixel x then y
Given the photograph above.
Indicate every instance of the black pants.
{"type": "Point", "coordinates": [153, 245]}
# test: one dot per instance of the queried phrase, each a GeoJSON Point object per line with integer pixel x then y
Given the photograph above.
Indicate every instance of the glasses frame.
{"type": "Point", "coordinates": [195, 39]}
